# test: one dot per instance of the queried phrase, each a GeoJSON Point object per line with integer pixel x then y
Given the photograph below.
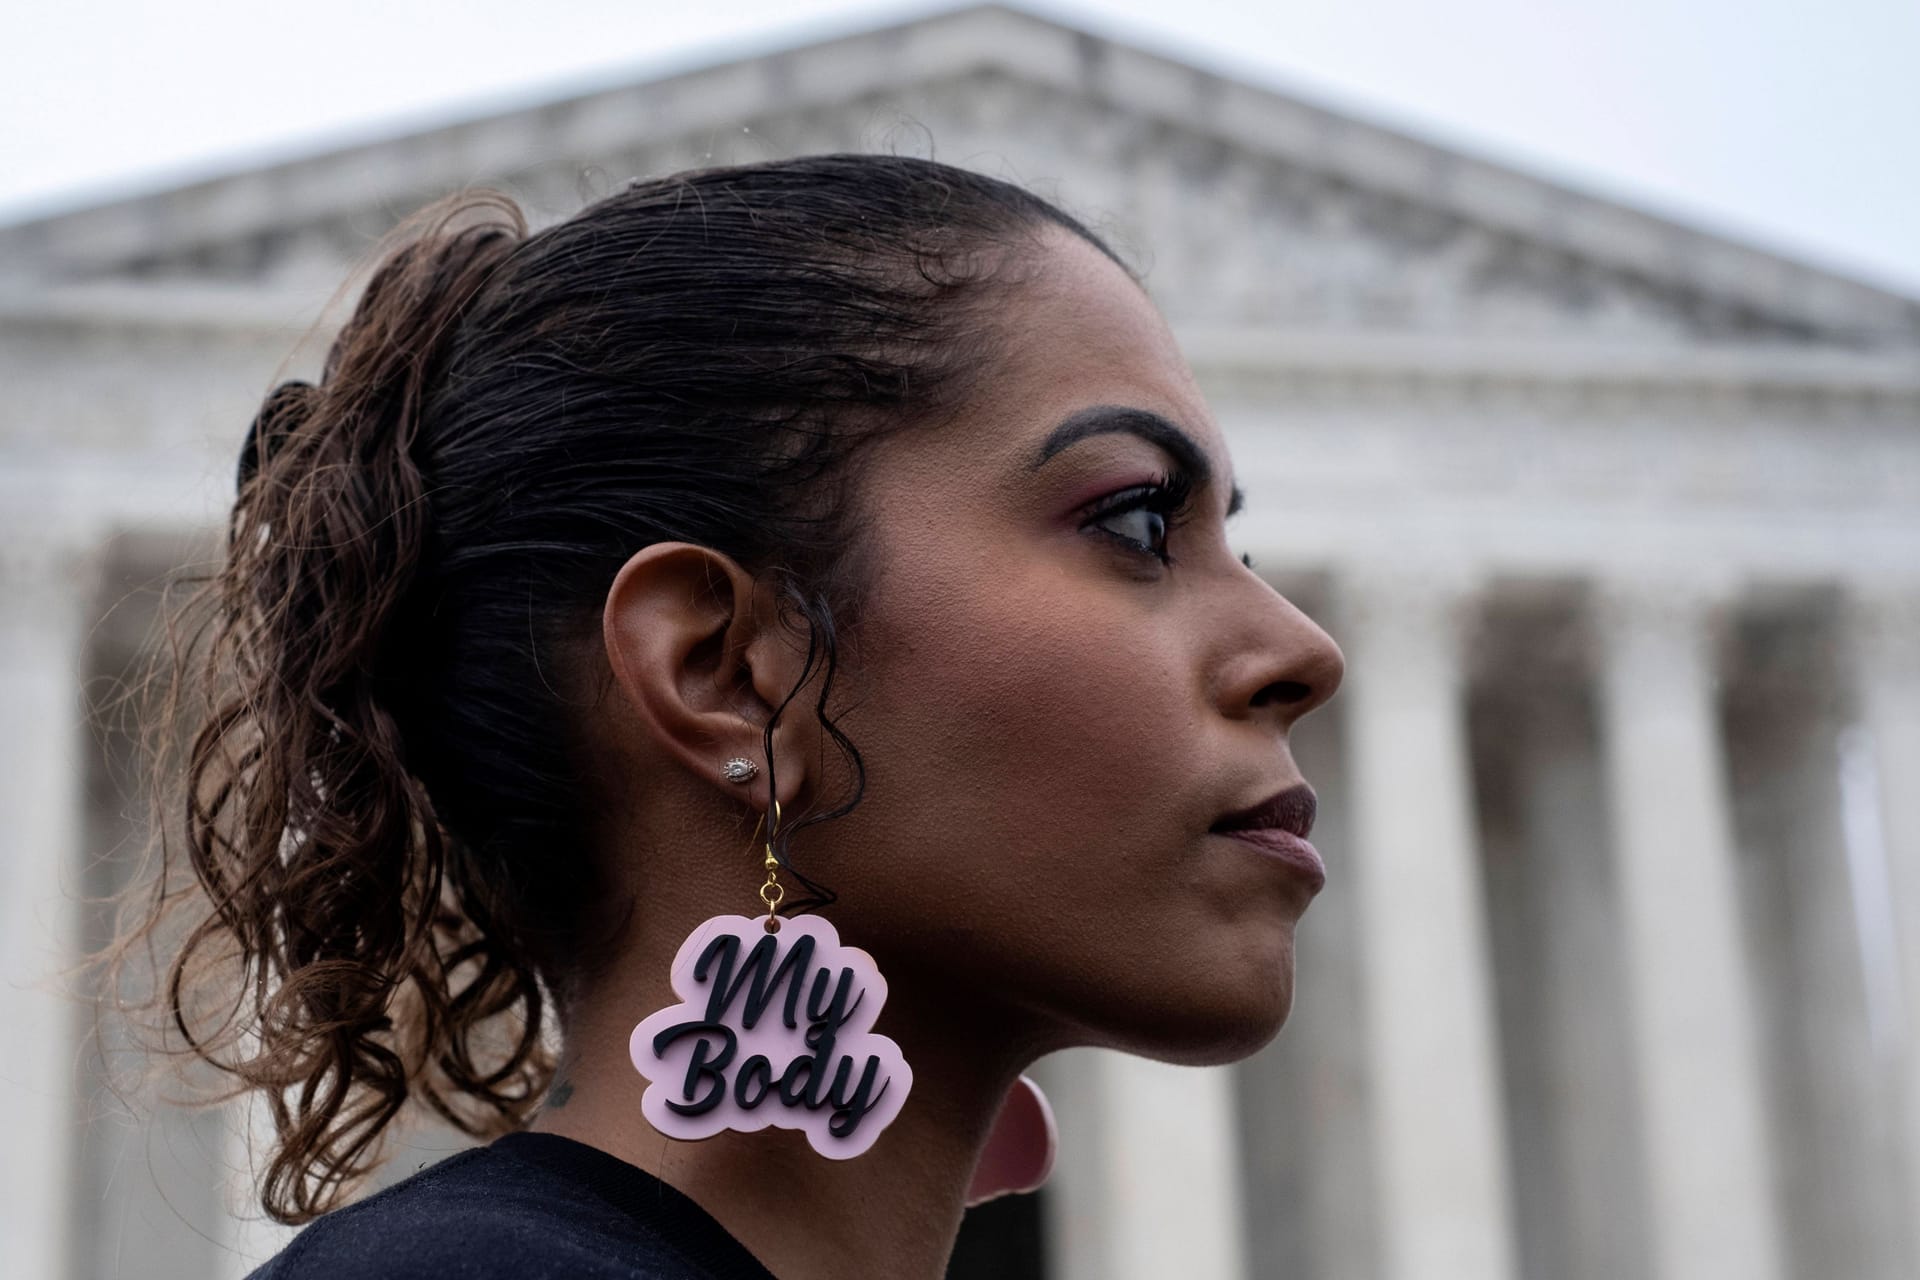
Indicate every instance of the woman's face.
{"type": "Point", "coordinates": [1052, 717]}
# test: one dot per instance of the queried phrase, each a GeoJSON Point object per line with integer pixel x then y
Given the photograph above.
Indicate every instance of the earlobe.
{"type": "Point", "coordinates": [697, 656]}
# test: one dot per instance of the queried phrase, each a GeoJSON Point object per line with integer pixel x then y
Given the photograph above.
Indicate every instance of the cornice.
{"type": "Point", "coordinates": [1375, 355]}
{"type": "Point", "coordinates": [1242, 354]}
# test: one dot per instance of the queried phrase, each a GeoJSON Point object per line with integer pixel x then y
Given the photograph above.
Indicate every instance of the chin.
{"type": "Point", "coordinates": [1218, 1023]}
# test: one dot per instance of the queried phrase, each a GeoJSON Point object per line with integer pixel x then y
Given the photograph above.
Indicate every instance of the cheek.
{"type": "Point", "coordinates": [1040, 708]}
{"type": "Point", "coordinates": [1038, 736]}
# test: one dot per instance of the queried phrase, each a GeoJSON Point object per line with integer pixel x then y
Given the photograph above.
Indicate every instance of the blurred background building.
{"type": "Point", "coordinates": [1618, 522]}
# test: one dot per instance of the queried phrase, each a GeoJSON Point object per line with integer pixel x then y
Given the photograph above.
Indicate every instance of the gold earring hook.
{"type": "Point", "coordinates": [771, 893]}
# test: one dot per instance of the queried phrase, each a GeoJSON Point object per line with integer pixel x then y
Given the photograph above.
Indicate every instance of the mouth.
{"type": "Point", "coordinates": [1278, 827]}
{"type": "Point", "coordinates": [1290, 809]}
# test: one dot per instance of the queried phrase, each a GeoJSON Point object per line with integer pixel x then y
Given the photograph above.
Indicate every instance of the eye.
{"type": "Point", "coordinates": [1150, 511]}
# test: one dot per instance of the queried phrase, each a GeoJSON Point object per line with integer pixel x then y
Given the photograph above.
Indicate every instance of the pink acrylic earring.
{"type": "Point", "coordinates": [773, 1026]}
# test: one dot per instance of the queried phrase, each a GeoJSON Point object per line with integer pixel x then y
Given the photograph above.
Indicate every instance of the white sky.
{"type": "Point", "coordinates": [1788, 124]}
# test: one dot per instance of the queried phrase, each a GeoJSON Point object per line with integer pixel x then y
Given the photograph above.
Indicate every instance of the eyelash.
{"type": "Point", "coordinates": [1166, 495]}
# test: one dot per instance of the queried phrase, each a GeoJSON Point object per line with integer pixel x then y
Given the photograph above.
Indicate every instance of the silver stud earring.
{"type": "Point", "coordinates": [740, 769]}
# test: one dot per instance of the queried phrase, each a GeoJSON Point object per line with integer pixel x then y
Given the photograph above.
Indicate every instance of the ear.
{"type": "Point", "coordinates": [696, 648]}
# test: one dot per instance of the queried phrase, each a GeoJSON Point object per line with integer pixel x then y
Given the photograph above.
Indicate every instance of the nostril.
{"type": "Point", "coordinates": [1285, 692]}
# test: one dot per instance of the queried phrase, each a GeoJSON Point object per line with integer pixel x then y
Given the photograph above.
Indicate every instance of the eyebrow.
{"type": "Point", "coordinates": [1149, 426]}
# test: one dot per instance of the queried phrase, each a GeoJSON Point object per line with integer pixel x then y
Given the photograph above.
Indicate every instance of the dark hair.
{"type": "Point", "coordinates": [383, 807]}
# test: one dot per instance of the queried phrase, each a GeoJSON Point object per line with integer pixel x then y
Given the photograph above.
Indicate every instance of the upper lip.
{"type": "Point", "coordinates": [1290, 810]}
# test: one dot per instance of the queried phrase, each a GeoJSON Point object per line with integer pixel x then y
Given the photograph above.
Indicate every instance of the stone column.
{"type": "Point", "coordinates": [1148, 1180]}
{"type": "Point", "coordinates": [1304, 1100]}
{"type": "Point", "coordinates": [1440, 1155]}
{"type": "Point", "coordinates": [1174, 1168]}
{"type": "Point", "coordinates": [1710, 1178]}
{"type": "Point", "coordinates": [43, 591]}
{"type": "Point", "coordinates": [1884, 633]}
{"type": "Point", "coordinates": [1553, 919]}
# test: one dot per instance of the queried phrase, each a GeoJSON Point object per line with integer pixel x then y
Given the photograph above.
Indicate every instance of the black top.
{"type": "Point", "coordinates": [528, 1206]}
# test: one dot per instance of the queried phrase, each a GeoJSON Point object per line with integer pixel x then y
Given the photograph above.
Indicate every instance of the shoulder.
{"type": "Point", "coordinates": [473, 1216]}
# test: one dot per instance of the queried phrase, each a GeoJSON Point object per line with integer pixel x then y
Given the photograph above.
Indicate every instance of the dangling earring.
{"type": "Point", "coordinates": [774, 1026]}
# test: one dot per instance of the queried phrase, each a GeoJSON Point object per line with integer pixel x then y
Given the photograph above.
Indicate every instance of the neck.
{"type": "Point", "coordinates": [893, 1210]}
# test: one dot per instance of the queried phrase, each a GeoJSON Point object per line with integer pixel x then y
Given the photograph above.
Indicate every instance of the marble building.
{"type": "Point", "coordinates": [1617, 521]}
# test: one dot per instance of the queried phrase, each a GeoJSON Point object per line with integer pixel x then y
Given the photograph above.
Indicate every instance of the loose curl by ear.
{"type": "Point", "coordinates": [387, 824]}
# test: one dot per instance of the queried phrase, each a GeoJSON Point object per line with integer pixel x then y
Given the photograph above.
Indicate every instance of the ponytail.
{"type": "Point", "coordinates": [317, 848]}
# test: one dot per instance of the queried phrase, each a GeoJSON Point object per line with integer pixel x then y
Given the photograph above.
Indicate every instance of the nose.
{"type": "Point", "coordinates": [1283, 663]}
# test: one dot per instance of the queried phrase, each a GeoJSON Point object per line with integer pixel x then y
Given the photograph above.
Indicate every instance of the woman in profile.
{"type": "Point", "coordinates": [701, 697]}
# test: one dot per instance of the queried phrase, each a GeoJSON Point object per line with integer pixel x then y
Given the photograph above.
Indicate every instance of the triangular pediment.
{"type": "Point", "coordinates": [1245, 207]}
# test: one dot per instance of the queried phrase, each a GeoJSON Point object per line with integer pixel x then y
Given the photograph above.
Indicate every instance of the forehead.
{"type": "Point", "coordinates": [1077, 331]}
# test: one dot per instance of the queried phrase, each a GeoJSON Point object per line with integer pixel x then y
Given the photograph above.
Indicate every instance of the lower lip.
{"type": "Point", "coordinates": [1287, 848]}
